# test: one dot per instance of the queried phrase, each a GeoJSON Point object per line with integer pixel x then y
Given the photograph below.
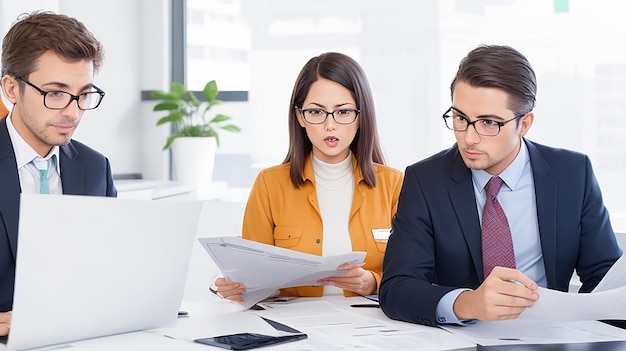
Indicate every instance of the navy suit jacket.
{"type": "Point", "coordinates": [84, 171]}
{"type": "Point", "coordinates": [435, 245]}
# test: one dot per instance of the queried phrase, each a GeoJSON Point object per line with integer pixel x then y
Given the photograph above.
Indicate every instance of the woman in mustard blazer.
{"type": "Point", "coordinates": [332, 194]}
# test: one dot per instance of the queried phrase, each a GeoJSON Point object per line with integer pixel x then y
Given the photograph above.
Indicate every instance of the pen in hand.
{"type": "Point", "coordinates": [373, 305]}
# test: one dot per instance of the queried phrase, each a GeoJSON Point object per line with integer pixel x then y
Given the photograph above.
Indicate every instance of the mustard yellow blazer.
{"type": "Point", "coordinates": [279, 214]}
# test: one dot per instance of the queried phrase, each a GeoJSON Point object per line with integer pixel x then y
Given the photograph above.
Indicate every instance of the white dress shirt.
{"type": "Point", "coordinates": [27, 171]}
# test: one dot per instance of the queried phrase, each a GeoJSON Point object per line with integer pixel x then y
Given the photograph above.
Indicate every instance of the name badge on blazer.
{"type": "Point", "coordinates": [381, 235]}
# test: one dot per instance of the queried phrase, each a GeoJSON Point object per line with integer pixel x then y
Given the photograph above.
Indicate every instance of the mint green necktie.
{"type": "Point", "coordinates": [42, 166]}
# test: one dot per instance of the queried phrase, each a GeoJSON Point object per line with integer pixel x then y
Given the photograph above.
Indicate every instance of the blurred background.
{"type": "Point", "coordinates": [410, 51]}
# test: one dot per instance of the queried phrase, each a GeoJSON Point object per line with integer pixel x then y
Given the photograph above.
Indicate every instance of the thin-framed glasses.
{"type": "Point", "coordinates": [483, 126]}
{"type": "Point", "coordinates": [59, 100]}
{"type": "Point", "coordinates": [318, 116]}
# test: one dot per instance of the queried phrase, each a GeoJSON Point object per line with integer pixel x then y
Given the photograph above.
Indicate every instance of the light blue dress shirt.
{"type": "Point", "coordinates": [517, 198]}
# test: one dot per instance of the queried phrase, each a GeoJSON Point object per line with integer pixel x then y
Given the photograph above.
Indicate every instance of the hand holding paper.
{"type": "Point", "coordinates": [263, 268]}
{"type": "Point", "coordinates": [606, 301]}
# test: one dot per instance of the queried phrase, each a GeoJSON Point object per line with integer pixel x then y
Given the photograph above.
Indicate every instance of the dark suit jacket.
{"type": "Point", "coordinates": [435, 245]}
{"type": "Point", "coordinates": [83, 172]}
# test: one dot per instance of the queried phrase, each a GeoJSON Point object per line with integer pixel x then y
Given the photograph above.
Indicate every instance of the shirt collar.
{"type": "Point", "coordinates": [510, 175]}
{"type": "Point", "coordinates": [24, 153]}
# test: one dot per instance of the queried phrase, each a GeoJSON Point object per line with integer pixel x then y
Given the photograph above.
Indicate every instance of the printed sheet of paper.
{"type": "Point", "coordinates": [333, 328]}
{"type": "Point", "coordinates": [518, 331]}
{"type": "Point", "coordinates": [555, 306]}
{"type": "Point", "coordinates": [605, 302]}
{"type": "Point", "coordinates": [265, 268]}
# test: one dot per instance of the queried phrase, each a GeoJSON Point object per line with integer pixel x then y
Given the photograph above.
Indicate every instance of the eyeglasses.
{"type": "Point", "coordinates": [59, 100]}
{"type": "Point", "coordinates": [318, 116]}
{"type": "Point", "coordinates": [483, 126]}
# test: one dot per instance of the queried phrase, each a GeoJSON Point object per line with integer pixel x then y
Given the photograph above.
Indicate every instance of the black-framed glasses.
{"type": "Point", "coordinates": [318, 116]}
{"type": "Point", "coordinates": [59, 100]}
{"type": "Point", "coordinates": [483, 126]}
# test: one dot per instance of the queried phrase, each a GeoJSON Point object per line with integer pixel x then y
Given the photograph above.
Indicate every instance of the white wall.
{"type": "Point", "coordinates": [135, 35]}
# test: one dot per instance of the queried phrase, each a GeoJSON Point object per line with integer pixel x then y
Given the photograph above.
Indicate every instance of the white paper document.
{"type": "Point", "coordinates": [555, 306]}
{"type": "Point", "coordinates": [605, 302]}
{"type": "Point", "coordinates": [332, 328]}
{"type": "Point", "coordinates": [263, 268]}
{"type": "Point", "coordinates": [614, 278]}
{"type": "Point", "coordinates": [518, 331]}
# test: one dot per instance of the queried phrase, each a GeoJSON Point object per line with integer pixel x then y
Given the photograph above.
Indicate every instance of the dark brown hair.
{"type": "Point", "coordinates": [346, 71]}
{"type": "Point", "coordinates": [502, 67]}
{"type": "Point", "coordinates": [38, 32]}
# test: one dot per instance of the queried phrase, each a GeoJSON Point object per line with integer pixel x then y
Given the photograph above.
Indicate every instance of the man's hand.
{"type": "Point", "coordinates": [503, 295]}
{"type": "Point", "coordinates": [356, 279]}
{"type": "Point", "coordinates": [5, 323]}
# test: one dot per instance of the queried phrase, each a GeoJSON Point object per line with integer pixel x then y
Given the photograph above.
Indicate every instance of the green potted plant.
{"type": "Point", "coordinates": [188, 115]}
{"type": "Point", "coordinates": [194, 135]}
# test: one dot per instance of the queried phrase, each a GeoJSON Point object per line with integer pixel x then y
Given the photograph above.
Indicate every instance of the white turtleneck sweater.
{"type": "Point", "coordinates": [335, 191]}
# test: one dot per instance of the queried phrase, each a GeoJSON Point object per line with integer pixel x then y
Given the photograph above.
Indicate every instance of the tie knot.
{"type": "Point", "coordinates": [41, 163]}
{"type": "Point", "coordinates": [493, 186]}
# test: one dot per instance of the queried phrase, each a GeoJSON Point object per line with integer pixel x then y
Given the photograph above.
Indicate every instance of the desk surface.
{"type": "Point", "coordinates": [214, 316]}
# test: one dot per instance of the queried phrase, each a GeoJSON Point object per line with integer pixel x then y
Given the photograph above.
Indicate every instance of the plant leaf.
{"type": "Point", "coordinates": [169, 141]}
{"type": "Point", "coordinates": [219, 118]}
{"type": "Point", "coordinates": [210, 91]}
{"type": "Point", "coordinates": [177, 89]}
{"type": "Point", "coordinates": [166, 105]}
{"type": "Point", "coordinates": [172, 117]}
{"type": "Point", "coordinates": [217, 140]}
{"type": "Point", "coordinates": [231, 128]}
{"type": "Point", "coordinates": [162, 95]}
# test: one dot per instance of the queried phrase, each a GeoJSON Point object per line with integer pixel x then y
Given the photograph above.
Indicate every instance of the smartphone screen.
{"type": "Point", "coordinates": [248, 341]}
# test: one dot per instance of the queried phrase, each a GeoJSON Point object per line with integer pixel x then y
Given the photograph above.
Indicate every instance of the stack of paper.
{"type": "Point", "coordinates": [263, 268]}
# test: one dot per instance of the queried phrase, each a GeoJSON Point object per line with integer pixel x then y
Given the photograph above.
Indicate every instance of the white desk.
{"type": "Point", "coordinates": [214, 316]}
{"type": "Point", "coordinates": [208, 316]}
{"type": "Point", "coordinates": [152, 189]}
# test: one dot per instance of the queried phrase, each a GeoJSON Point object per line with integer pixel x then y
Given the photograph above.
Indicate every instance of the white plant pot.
{"type": "Point", "coordinates": [192, 162]}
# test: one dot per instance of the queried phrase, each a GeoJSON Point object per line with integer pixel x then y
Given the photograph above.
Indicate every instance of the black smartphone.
{"type": "Point", "coordinates": [248, 341]}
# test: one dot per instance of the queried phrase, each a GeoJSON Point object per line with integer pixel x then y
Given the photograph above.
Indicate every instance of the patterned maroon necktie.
{"type": "Point", "coordinates": [496, 236]}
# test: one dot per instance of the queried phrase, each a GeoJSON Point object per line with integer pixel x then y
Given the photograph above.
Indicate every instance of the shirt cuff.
{"type": "Point", "coordinates": [213, 287]}
{"type": "Point", "coordinates": [445, 312]}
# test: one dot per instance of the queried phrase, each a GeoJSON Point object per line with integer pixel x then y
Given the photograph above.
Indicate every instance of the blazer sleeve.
{"type": "Point", "coordinates": [111, 190]}
{"type": "Point", "coordinates": [598, 248]}
{"type": "Point", "coordinates": [258, 224]}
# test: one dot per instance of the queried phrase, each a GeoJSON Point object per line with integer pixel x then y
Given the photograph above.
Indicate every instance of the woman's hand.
{"type": "Point", "coordinates": [356, 279]}
{"type": "Point", "coordinates": [5, 323]}
{"type": "Point", "coordinates": [230, 290]}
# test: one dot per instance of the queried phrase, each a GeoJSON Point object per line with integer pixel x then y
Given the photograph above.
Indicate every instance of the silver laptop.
{"type": "Point", "coordinates": [95, 266]}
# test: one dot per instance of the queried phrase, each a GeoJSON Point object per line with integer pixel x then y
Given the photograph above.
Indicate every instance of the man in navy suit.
{"type": "Point", "coordinates": [48, 66]}
{"type": "Point", "coordinates": [433, 266]}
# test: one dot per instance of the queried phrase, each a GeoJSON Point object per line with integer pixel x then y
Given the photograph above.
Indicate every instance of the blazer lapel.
{"type": "Point", "coordinates": [545, 192]}
{"type": "Point", "coordinates": [72, 171]}
{"type": "Point", "coordinates": [9, 187]}
{"type": "Point", "coordinates": [464, 202]}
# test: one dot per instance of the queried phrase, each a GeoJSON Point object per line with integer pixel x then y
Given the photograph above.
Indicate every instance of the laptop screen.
{"type": "Point", "coordinates": [95, 266]}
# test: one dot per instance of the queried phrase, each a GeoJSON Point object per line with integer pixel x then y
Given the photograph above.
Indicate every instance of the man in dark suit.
{"type": "Point", "coordinates": [48, 66]}
{"type": "Point", "coordinates": [435, 268]}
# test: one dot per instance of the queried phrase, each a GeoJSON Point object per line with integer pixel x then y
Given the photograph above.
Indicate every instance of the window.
{"type": "Point", "coordinates": [410, 51]}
